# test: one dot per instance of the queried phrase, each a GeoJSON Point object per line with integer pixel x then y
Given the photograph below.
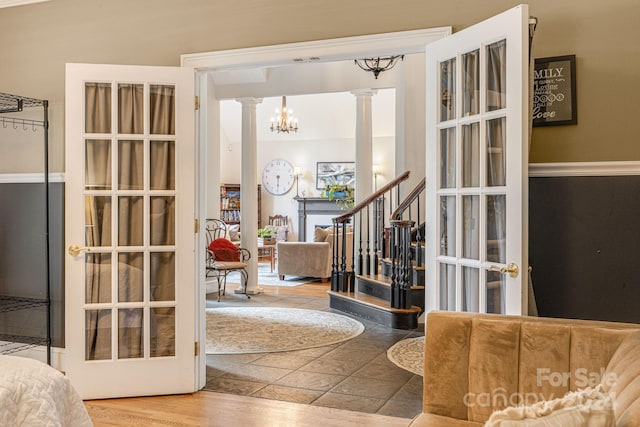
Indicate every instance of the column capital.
{"type": "Point", "coordinates": [249, 101]}
{"type": "Point", "coordinates": [364, 92]}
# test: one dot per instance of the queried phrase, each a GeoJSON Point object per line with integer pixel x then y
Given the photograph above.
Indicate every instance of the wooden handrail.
{"type": "Point", "coordinates": [366, 202]}
{"type": "Point", "coordinates": [415, 193]}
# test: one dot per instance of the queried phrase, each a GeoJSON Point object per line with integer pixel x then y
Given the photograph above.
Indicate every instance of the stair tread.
{"type": "Point", "coordinates": [382, 280]}
{"type": "Point", "coordinates": [374, 302]}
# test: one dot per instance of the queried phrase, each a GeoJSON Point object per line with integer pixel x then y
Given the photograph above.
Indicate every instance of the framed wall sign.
{"type": "Point", "coordinates": [554, 91]}
{"type": "Point", "coordinates": [343, 173]}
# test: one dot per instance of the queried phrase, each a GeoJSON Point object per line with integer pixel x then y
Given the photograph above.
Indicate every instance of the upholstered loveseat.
{"type": "Point", "coordinates": [476, 364]}
{"type": "Point", "coordinates": [311, 259]}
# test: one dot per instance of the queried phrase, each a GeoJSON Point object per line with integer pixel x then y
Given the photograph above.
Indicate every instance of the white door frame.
{"type": "Point", "coordinates": [208, 123]}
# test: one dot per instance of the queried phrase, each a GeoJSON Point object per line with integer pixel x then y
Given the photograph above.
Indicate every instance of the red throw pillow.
{"type": "Point", "coordinates": [224, 250]}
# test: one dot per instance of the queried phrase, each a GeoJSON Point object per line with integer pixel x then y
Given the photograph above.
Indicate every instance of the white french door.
{"type": "Point", "coordinates": [477, 174]}
{"type": "Point", "coordinates": [129, 218]}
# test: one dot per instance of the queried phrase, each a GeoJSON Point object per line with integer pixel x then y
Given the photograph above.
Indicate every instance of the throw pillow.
{"type": "Point", "coordinates": [234, 232]}
{"type": "Point", "coordinates": [320, 234]}
{"type": "Point", "coordinates": [224, 250]}
{"type": "Point", "coordinates": [583, 408]}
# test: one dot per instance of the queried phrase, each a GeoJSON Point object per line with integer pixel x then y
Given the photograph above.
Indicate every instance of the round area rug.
{"type": "Point", "coordinates": [408, 354]}
{"type": "Point", "coordinates": [233, 330]}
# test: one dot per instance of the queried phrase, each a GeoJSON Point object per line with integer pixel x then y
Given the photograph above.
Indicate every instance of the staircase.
{"type": "Point", "coordinates": [386, 284]}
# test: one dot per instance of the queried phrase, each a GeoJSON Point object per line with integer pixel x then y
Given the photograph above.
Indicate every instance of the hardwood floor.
{"type": "Point", "coordinates": [225, 410]}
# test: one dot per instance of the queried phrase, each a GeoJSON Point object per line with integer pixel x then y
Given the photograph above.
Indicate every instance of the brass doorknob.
{"type": "Point", "coordinates": [512, 269]}
{"type": "Point", "coordinates": [75, 250]}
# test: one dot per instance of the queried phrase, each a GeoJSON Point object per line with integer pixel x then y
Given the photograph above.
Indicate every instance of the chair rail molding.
{"type": "Point", "coordinates": [8, 178]}
{"type": "Point", "coordinates": [614, 168]}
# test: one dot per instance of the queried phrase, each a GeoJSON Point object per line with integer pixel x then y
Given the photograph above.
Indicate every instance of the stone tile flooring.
{"type": "Point", "coordinates": [354, 375]}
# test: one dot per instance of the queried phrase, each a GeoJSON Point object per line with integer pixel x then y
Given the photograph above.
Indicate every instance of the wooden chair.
{"type": "Point", "coordinates": [280, 223]}
{"type": "Point", "coordinates": [219, 269]}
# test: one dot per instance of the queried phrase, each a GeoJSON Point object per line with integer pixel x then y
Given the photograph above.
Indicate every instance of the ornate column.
{"type": "Point", "coordinates": [249, 191]}
{"type": "Point", "coordinates": [364, 169]}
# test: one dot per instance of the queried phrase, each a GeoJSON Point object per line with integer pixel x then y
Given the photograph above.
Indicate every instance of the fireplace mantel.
{"type": "Point", "coordinates": [315, 207]}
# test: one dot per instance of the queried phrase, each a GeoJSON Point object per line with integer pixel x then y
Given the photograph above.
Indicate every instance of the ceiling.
{"type": "Point", "coordinates": [325, 116]}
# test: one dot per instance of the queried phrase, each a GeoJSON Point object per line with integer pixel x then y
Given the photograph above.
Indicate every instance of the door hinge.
{"type": "Point", "coordinates": [196, 225]}
{"type": "Point", "coordinates": [196, 348]}
{"type": "Point", "coordinates": [197, 103]}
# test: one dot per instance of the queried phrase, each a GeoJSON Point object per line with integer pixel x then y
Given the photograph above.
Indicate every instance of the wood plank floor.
{"type": "Point", "coordinates": [225, 410]}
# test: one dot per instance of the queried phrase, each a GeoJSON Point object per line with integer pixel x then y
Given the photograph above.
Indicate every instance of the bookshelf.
{"type": "Point", "coordinates": [230, 204]}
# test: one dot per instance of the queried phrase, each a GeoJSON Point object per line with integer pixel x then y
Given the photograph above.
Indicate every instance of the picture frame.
{"type": "Point", "coordinates": [554, 91]}
{"type": "Point", "coordinates": [328, 173]}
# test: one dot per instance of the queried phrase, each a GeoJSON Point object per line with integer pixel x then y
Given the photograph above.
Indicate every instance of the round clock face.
{"type": "Point", "coordinates": [277, 177]}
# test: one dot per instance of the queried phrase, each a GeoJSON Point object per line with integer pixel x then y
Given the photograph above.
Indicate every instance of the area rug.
{"type": "Point", "coordinates": [234, 330]}
{"type": "Point", "coordinates": [408, 354]}
{"type": "Point", "coordinates": [267, 278]}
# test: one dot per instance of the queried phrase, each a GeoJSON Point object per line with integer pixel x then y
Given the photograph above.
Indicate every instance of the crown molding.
{"type": "Point", "coordinates": [11, 3]}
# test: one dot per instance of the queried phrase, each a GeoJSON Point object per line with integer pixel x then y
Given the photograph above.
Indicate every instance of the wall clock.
{"type": "Point", "coordinates": [277, 177]}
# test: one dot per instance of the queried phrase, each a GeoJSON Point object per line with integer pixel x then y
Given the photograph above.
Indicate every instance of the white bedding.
{"type": "Point", "coordinates": [34, 394]}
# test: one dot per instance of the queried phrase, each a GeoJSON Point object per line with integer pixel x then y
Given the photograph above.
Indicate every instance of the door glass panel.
{"type": "Point", "coordinates": [130, 108]}
{"type": "Point", "coordinates": [496, 228]}
{"type": "Point", "coordinates": [496, 153]}
{"type": "Point", "coordinates": [448, 90]}
{"type": "Point", "coordinates": [448, 226]}
{"type": "Point", "coordinates": [97, 220]}
{"type": "Point", "coordinates": [162, 220]}
{"type": "Point", "coordinates": [497, 75]}
{"type": "Point", "coordinates": [130, 333]}
{"type": "Point", "coordinates": [470, 229]}
{"type": "Point", "coordinates": [130, 276]}
{"type": "Point", "coordinates": [470, 289]}
{"type": "Point", "coordinates": [131, 165]}
{"type": "Point", "coordinates": [162, 110]}
{"type": "Point", "coordinates": [448, 158]}
{"type": "Point", "coordinates": [97, 278]}
{"type": "Point", "coordinates": [447, 287]}
{"type": "Point", "coordinates": [163, 331]}
{"type": "Point", "coordinates": [97, 164]}
{"type": "Point", "coordinates": [130, 216]}
{"type": "Point", "coordinates": [162, 165]}
{"type": "Point", "coordinates": [471, 83]}
{"type": "Point", "coordinates": [163, 276]}
{"type": "Point", "coordinates": [97, 335]}
{"type": "Point", "coordinates": [471, 155]}
{"type": "Point", "coordinates": [495, 292]}
{"type": "Point", "coordinates": [97, 103]}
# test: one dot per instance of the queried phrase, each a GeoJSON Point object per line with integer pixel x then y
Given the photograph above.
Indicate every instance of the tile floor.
{"type": "Point", "coordinates": [354, 375]}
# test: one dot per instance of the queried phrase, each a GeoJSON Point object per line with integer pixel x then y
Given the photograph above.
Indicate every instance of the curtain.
{"type": "Point", "coordinates": [130, 213]}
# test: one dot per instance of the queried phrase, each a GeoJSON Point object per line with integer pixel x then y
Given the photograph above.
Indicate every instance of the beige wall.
{"type": "Point", "coordinates": [39, 39]}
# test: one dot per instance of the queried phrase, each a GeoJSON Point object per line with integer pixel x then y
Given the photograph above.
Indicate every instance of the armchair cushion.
{"type": "Point", "coordinates": [224, 250]}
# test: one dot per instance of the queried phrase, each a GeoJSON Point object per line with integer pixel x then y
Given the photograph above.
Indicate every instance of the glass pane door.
{"type": "Point", "coordinates": [126, 193]}
{"type": "Point", "coordinates": [475, 193]}
{"type": "Point", "coordinates": [129, 309]}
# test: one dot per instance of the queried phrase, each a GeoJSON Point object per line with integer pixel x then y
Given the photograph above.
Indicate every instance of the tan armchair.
{"type": "Point", "coordinates": [311, 259]}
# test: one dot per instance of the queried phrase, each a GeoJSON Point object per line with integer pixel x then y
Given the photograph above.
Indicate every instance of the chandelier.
{"type": "Point", "coordinates": [378, 65]}
{"type": "Point", "coordinates": [284, 122]}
